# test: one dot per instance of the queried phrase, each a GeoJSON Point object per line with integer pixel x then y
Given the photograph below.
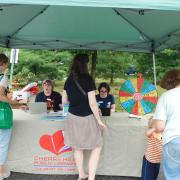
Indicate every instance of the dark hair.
{"type": "Point", "coordinates": [79, 65]}
{"type": "Point", "coordinates": [3, 59]}
{"type": "Point", "coordinates": [104, 85]}
{"type": "Point", "coordinates": [171, 79]}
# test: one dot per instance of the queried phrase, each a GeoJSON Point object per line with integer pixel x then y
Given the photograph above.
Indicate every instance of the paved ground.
{"type": "Point", "coordinates": [24, 176]}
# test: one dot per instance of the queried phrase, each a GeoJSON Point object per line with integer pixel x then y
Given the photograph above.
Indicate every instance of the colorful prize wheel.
{"type": "Point", "coordinates": [138, 96]}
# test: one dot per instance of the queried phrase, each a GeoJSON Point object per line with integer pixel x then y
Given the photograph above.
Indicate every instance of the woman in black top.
{"type": "Point", "coordinates": [83, 124]}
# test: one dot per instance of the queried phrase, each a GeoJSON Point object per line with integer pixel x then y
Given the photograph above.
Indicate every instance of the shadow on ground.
{"type": "Point", "coordinates": [25, 176]}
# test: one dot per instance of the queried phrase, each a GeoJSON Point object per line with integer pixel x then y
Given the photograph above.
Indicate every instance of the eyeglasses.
{"type": "Point", "coordinates": [47, 84]}
{"type": "Point", "coordinates": [103, 91]}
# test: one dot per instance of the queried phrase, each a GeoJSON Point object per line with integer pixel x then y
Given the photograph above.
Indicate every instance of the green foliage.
{"type": "Point", "coordinates": [43, 64]}
{"type": "Point", "coordinates": [36, 65]}
{"type": "Point", "coordinates": [111, 64]}
{"type": "Point", "coordinates": [165, 60]}
{"type": "Point", "coordinates": [144, 65]}
{"type": "Point", "coordinates": [25, 76]}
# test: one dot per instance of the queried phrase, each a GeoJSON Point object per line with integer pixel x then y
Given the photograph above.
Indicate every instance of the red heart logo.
{"type": "Point", "coordinates": [54, 143]}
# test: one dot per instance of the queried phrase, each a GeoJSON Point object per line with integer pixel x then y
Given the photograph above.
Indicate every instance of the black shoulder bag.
{"type": "Point", "coordinates": [79, 87]}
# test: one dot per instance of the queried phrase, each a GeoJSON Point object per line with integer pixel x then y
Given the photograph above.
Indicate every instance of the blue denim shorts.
{"type": "Point", "coordinates": [5, 135]}
{"type": "Point", "coordinates": [171, 160]}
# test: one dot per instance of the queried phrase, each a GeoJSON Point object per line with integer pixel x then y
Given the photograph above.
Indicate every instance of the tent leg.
{"type": "Point", "coordinates": [13, 55]}
{"type": "Point", "coordinates": [6, 52]}
{"type": "Point", "coordinates": [154, 68]}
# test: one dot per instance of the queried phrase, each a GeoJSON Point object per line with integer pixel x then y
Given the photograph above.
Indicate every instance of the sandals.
{"type": "Point", "coordinates": [84, 178]}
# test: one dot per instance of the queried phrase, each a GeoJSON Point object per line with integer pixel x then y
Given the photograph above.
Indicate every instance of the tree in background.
{"type": "Point", "coordinates": [165, 60]}
{"type": "Point", "coordinates": [93, 64]}
{"type": "Point", "coordinates": [36, 65]}
{"type": "Point", "coordinates": [144, 65]}
{"type": "Point", "coordinates": [41, 64]}
{"type": "Point", "coordinates": [112, 64]}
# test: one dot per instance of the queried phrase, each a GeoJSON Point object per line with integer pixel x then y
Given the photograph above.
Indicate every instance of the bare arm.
{"type": "Point", "coordinates": [159, 125]}
{"type": "Point", "coordinates": [113, 108]}
{"type": "Point", "coordinates": [4, 98]}
{"type": "Point", "coordinates": [156, 126]}
{"type": "Point", "coordinates": [94, 107]}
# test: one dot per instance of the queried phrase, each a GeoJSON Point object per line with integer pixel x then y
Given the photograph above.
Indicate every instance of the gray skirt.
{"type": "Point", "coordinates": [82, 132]}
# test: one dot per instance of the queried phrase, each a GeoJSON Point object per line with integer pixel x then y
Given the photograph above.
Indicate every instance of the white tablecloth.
{"type": "Point", "coordinates": [124, 146]}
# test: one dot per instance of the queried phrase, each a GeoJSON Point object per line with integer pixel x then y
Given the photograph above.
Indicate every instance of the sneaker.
{"type": "Point", "coordinates": [5, 175]}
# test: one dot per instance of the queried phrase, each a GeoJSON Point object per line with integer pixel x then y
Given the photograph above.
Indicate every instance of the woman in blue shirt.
{"type": "Point", "coordinates": [104, 99]}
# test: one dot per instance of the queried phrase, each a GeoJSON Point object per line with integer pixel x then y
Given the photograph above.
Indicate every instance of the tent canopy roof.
{"type": "Point", "coordinates": [138, 4]}
{"type": "Point", "coordinates": [131, 25]}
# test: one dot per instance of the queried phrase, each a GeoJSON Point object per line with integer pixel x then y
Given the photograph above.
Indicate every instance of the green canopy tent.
{"type": "Point", "coordinates": [131, 25]}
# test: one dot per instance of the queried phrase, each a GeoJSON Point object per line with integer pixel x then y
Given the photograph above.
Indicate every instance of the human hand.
{"type": "Point", "coordinates": [150, 120]}
{"type": "Point", "coordinates": [24, 107]}
{"type": "Point", "coordinates": [14, 101]}
{"type": "Point", "coordinates": [157, 135]}
{"type": "Point", "coordinates": [101, 125]}
{"type": "Point", "coordinates": [100, 113]}
{"type": "Point", "coordinates": [150, 132]}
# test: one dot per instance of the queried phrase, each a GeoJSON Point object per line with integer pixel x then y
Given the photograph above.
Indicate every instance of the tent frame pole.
{"type": "Point", "coordinates": [154, 69]}
{"type": "Point", "coordinates": [12, 69]}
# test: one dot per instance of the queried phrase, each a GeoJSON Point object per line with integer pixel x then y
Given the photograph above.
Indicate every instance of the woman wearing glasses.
{"type": "Point", "coordinates": [104, 99]}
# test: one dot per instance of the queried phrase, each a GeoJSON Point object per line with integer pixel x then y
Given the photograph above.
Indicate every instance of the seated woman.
{"type": "Point", "coordinates": [104, 99]}
{"type": "Point", "coordinates": [53, 98]}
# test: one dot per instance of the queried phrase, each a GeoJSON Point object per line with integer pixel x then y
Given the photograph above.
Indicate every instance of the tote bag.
{"type": "Point", "coordinates": [6, 116]}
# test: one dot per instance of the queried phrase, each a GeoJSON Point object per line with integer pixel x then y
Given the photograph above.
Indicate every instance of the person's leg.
{"type": "Point", "coordinates": [147, 170]}
{"type": "Point", "coordinates": [1, 170]}
{"type": "Point", "coordinates": [156, 170]}
{"type": "Point", "coordinates": [93, 162]}
{"type": "Point", "coordinates": [143, 170]}
{"type": "Point", "coordinates": [5, 135]}
{"type": "Point", "coordinates": [79, 157]}
{"type": "Point", "coordinates": [171, 160]}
